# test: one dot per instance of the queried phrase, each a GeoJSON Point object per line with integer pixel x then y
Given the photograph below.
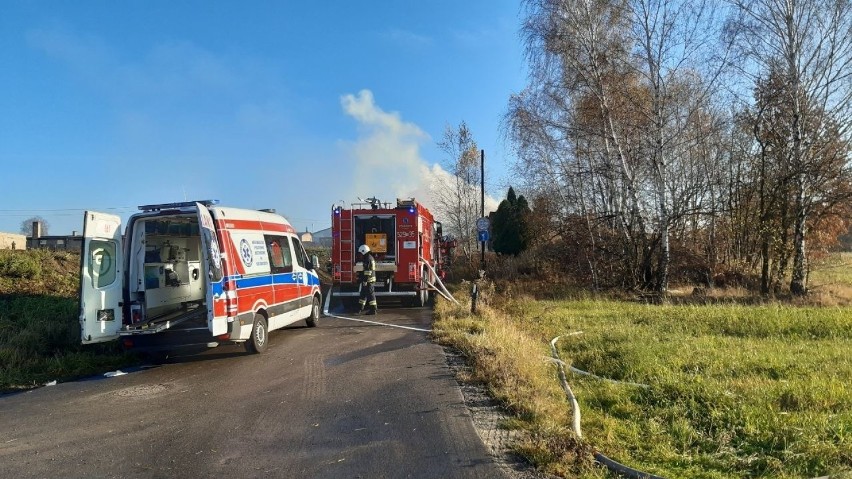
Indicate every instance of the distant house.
{"type": "Point", "coordinates": [13, 241]}
{"type": "Point", "coordinates": [56, 243]}
{"type": "Point", "coordinates": [318, 239]}
{"type": "Point", "coordinates": [74, 242]}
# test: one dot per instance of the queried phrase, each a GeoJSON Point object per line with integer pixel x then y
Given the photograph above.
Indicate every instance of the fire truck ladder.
{"type": "Point", "coordinates": [347, 249]}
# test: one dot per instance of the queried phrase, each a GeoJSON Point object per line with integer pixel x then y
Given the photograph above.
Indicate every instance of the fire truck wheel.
{"type": "Point", "coordinates": [315, 312]}
{"type": "Point", "coordinates": [259, 340]}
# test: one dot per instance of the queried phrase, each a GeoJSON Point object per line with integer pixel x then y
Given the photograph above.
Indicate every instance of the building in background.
{"type": "Point", "coordinates": [13, 241]}
{"type": "Point", "coordinates": [322, 238]}
{"type": "Point", "coordinates": [74, 242]}
{"type": "Point", "coordinates": [56, 243]}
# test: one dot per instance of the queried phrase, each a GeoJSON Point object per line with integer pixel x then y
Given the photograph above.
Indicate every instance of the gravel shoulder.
{"type": "Point", "coordinates": [488, 418]}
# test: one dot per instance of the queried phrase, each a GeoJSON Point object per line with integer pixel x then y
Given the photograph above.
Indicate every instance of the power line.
{"type": "Point", "coordinates": [67, 209]}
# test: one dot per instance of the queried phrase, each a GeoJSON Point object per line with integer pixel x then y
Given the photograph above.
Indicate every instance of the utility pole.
{"type": "Point", "coordinates": [482, 201]}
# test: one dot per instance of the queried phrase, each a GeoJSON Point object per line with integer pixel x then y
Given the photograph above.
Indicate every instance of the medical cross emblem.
{"type": "Point", "coordinates": [245, 252]}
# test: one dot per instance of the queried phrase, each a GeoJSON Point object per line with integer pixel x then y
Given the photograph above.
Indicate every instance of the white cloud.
{"type": "Point", "coordinates": [388, 163]}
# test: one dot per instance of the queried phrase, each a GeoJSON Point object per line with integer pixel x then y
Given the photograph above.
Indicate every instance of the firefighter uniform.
{"type": "Point", "coordinates": [368, 282]}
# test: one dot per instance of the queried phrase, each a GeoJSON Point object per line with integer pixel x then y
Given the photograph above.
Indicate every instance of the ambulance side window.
{"type": "Point", "coordinates": [301, 258]}
{"type": "Point", "coordinates": [280, 256]}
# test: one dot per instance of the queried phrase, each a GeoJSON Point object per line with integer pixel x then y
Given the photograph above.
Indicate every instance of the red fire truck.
{"type": "Point", "coordinates": [406, 242]}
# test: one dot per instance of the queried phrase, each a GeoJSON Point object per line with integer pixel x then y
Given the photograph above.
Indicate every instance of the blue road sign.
{"type": "Point", "coordinates": [483, 236]}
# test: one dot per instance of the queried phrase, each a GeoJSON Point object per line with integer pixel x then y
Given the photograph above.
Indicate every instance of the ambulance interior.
{"type": "Point", "coordinates": [166, 274]}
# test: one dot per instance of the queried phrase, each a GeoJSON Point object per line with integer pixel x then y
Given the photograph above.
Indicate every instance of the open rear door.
{"type": "Point", "coordinates": [213, 262]}
{"type": "Point", "coordinates": [101, 278]}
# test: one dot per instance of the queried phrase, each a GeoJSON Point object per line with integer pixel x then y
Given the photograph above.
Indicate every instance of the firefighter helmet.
{"type": "Point", "coordinates": [363, 249]}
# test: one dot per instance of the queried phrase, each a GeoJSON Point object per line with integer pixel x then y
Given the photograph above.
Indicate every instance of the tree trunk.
{"type": "Point", "coordinates": [764, 270]}
{"type": "Point", "coordinates": [797, 280]}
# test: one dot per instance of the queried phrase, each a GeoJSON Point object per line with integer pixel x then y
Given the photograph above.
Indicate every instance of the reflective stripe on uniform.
{"type": "Point", "coordinates": [370, 269]}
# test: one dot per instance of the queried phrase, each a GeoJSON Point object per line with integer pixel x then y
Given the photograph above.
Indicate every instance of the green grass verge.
{"type": "Point", "coordinates": [39, 328]}
{"type": "Point", "coordinates": [40, 342]}
{"type": "Point", "coordinates": [735, 391]}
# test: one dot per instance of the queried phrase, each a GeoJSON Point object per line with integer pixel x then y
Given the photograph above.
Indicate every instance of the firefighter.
{"type": "Point", "coordinates": [368, 281]}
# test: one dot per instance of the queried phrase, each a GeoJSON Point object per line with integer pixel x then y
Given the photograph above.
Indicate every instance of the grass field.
{"type": "Point", "coordinates": [733, 391]}
{"type": "Point", "coordinates": [830, 280]}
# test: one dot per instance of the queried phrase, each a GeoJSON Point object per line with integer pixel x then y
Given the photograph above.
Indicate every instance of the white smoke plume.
{"type": "Point", "coordinates": [387, 157]}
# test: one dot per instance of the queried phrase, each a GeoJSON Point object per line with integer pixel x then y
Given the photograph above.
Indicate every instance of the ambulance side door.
{"type": "Point", "coordinates": [303, 275]}
{"type": "Point", "coordinates": [281, 262]}
{"type": "Point", "coordinates": [101, 278]}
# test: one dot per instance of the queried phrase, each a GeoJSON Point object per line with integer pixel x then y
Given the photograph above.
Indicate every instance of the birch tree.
{"type": "Point", "coordinates": [612, 119]}
{"type": "Point", "coordinates": [458, 199]}
{"type": "Point", "coordinates": [811, 43]}
{"type": "Point", "coordinates": [673, 40]}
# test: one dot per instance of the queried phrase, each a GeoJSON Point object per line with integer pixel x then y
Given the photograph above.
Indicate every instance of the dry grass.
{"type": "Point", "coordinates": [514, 367]}
{"type": "Point", "coordinates": [830, 282]}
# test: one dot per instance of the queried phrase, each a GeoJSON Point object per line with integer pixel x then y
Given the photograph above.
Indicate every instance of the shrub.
{"type": "Point", "coordinates": [19, 264]}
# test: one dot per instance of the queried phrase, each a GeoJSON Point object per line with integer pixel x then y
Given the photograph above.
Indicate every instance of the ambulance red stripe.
{"type": "Point", "coordinates": [267, 227]}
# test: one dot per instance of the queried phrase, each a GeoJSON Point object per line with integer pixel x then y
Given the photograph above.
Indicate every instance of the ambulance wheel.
{"type": "Point", "coordinates": [259, 340]}
{"type": "Point", "coordinates": [315, 313]}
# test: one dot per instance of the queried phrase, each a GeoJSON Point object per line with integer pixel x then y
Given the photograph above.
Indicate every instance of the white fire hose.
{"type": "Point", "coordinates": [438, 285]}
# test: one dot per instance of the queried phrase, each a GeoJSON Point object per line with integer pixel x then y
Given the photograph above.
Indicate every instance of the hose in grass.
{"type": "Point", "coordinates": [610, 464]}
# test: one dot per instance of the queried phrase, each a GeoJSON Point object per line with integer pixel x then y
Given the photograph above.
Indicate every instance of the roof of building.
{"type": "Point", "coordinates": [326, 233]}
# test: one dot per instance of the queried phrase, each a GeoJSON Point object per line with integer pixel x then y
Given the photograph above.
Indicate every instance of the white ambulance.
{"type": "Point", "coordinates": [229, 274]}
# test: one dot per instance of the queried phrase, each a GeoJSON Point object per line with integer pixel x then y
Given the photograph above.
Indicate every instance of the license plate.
{"type": "Point", "coordinates": [379, 283]}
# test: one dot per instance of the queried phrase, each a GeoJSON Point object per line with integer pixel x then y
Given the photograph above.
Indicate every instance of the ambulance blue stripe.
{"type": "Point", "coordinates": [265, 280]}
{"type": "Point", "coordinates": [252, 282]}
{"type": "Point", "coordinates": [285, 278]}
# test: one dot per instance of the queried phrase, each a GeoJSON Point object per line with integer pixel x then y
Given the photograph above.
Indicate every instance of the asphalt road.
{"type": "Point", "coordinates": [342, 400]}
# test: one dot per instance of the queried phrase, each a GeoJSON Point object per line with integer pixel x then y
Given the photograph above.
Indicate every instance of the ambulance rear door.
{"type": "Point", "coordinates": [212, 257]}
{"type": "Point", "coordinates": [101, 278]}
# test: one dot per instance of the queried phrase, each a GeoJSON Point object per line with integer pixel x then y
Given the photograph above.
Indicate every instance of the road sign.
{"type": "Point", "coordinates": [483, 236]}
{"type": "Point", "coordinates": [483, 224]}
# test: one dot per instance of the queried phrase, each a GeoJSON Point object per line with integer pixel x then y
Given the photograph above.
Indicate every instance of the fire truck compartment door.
{"type": "Point", "coordinates": [101, 278]}
{"type": "Point", "coordinates": [212, 257]}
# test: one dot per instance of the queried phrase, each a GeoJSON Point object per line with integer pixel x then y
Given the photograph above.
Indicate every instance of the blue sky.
{"type": "Point", "coordinates": [106, 105]}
